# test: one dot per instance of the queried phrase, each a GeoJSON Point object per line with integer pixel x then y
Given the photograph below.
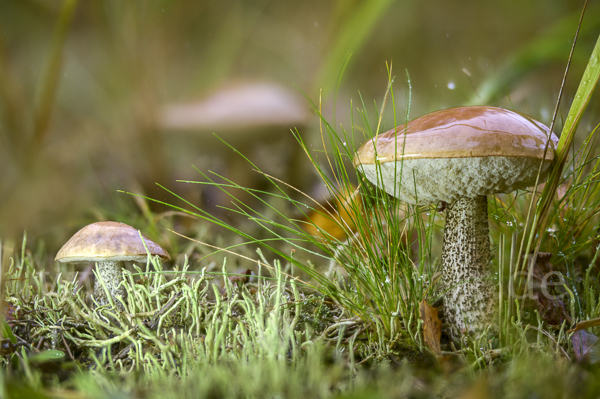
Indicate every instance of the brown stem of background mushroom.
{"type": "Point", "coordinates": [466, 269]}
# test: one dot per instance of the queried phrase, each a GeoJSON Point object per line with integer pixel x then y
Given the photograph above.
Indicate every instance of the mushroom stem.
{"type": "Point", "coordinates": [111, 272]}
{"type": "Point", "coordinates": [466, 270]}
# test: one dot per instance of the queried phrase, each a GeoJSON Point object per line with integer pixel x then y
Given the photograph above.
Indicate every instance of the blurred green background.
{"type": "Point", "coordinates": [93, 94]}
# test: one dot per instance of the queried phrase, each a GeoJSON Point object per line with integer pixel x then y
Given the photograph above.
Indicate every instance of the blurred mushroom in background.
{"type": "Point", "coordinates": [255, 118]}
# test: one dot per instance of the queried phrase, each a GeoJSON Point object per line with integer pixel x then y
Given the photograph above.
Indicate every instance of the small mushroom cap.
{"type": "Point", "coordinates": [458, 152]}
{"type": "Point", "coordinates": [108, 241]}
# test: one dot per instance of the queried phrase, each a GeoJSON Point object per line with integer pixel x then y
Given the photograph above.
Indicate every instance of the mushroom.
{"type": "Point", "coordinates": [461, 155]}
{"type": "Point", "coordinates": [237, 108]}
{"type": "Point", "coordinates": [253, 117]}
{"type": "Point", "coordinates": [109, 244]}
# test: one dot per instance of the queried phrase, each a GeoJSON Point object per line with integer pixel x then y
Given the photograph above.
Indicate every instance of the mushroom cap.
{"type": "Point", "coordinates": [458, 152]}
{"type": "Point", "coordinates": [237, 107]}
{"type": "Point", "coordinates": [108, 241]}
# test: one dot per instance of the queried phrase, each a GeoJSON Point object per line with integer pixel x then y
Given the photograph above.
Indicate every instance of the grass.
{"type": "Point", "coordinates": [300, 328]}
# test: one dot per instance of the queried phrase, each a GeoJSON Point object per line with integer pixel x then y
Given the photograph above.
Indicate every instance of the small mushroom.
{"type": "Point", "coordinates": [109, 244]}
{"type": "Point", "coordinates": [461, 155]}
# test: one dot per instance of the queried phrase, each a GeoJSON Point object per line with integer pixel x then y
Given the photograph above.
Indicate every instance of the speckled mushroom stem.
{"type": "Point", "coordinates": [111, 272]}
{"type": "Point", "coordinates": [466, 269]}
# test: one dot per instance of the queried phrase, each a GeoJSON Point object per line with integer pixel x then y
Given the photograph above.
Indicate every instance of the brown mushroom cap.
{"type": "Point", "coordinates": [108, 241]}
{"type": "Point", "coordinates": [458, 152]}
{"type": "Point", "coordinates": [476, 131]}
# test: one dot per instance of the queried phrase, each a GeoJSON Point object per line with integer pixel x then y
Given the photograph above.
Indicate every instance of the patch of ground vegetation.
{"type": "Point", "coordinates": [190, 334]}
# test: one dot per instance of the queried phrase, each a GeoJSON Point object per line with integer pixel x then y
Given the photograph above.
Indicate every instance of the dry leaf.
{"type": "Point", "coordinates": [546, 291]}
{"type": "Point", "coordinates": [432, 327]}
{"type": "Point", "coordinates": [333, 217]}
{"type": "Point", "coordinates": [243, 278]}
{"type": "Point", "coordinates": [9, 312]}
{"type": "Point", "coordinates": [586, 347]}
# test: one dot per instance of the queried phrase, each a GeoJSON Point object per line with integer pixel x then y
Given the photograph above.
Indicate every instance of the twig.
{"type": "Point", "coordinates": [163, 310]}
{"type": "Point", "coordinates": [339, 324]}
{"type": "Point", "coordinates": [67, 346]}
{"type": "Point", "coordinates": [94, 343]}
{"type": "Point", "coordinates": [121, 355]}
{"type": "Point", "coordinates": [366, 358]}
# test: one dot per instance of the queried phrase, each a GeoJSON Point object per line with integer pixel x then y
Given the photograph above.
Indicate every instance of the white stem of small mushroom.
{"type": "Point", "coordinates": [466, 269]}
{"type": "Point", "coordinates": [111, 272]}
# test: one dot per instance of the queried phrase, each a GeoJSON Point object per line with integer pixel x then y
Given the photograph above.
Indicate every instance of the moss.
{"type": "Point", "coordinates": [399, 350]}
{"type": "Point", "coordinates": [402, 347]}
{"type": "Point", "coordinates": [317, 313]}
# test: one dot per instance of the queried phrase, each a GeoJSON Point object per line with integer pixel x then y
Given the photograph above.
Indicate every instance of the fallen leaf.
{"type": "Point", "coordinates": [10, 312]}
{"type": "Point", "coordinates": [547, 295]}
{"type": "Point", "coordinates": [243, 278]}
{"type": "Point", "coordinates": [432, 327]}
{"type": "Point", "coordinates": [334, 217]}
{"type": "Point", "coordinates": [586, 347]}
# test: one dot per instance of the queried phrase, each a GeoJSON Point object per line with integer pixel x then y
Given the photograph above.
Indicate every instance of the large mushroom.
{"type": "Point", "coordinates": [461, 155]}
{"type": "Point", "coordinates": [109, 244]}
